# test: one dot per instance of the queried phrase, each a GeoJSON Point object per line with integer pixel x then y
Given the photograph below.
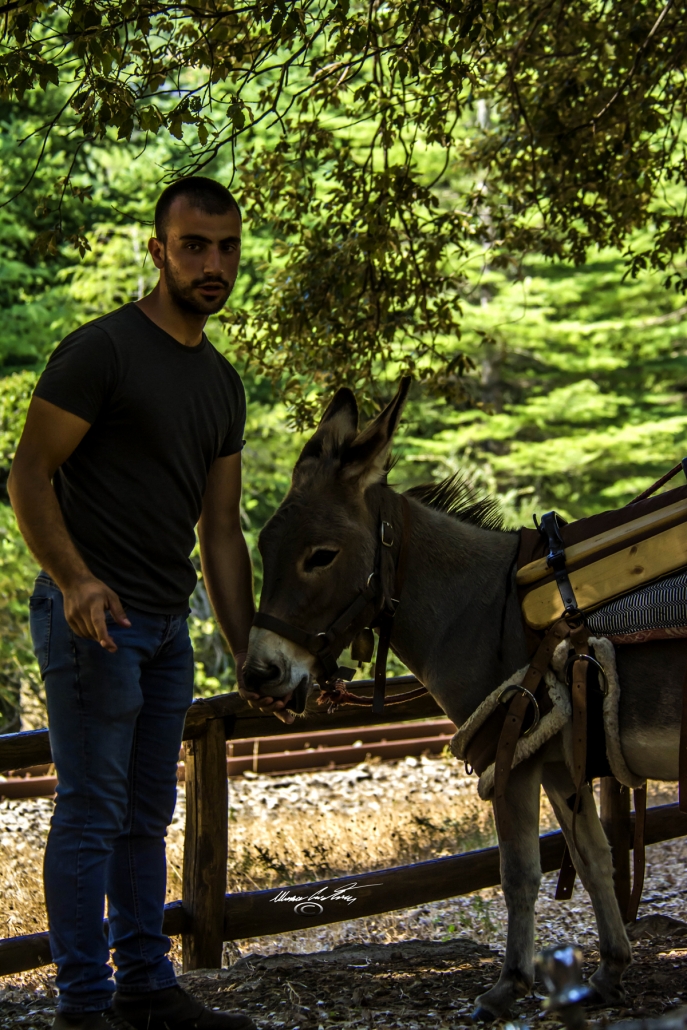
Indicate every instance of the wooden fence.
{"type": "Point", "coordinates": [206, 916]}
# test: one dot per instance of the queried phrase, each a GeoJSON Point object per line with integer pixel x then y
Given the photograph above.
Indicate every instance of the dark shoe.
{"type": "Point", "coordinates": [174, 1009]}
{"type": "Point", "coordinates": [107, 1020]}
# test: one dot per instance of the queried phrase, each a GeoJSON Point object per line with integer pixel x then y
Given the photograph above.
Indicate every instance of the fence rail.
{"type": "Point", "coordinates": [292, 752]}
{"type": "Point", "coordinates": [207, 916]}
{"type": "Point", "coordinates": [279, 909]}
{"type": "Point", "coordinates": [32, 747]}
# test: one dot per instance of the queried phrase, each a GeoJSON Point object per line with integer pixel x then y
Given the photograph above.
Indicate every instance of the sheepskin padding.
{"type": "Point", "coordinates": [557, 720]}
{"type": "Point", "coordinates": [550, 724]}
{"type": "Point", "coordinates": [604, 652]}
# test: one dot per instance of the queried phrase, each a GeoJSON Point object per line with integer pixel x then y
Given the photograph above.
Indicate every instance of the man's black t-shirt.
{"type": "Point", "coordinates": [160, 414]}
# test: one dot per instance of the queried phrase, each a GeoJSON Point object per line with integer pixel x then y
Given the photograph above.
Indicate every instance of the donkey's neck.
{"type": "Point", "coordinates": [458, 626]}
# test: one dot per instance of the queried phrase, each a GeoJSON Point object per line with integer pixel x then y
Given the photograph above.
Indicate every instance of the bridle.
{"type": "Point", "coordinates": [372, 606]}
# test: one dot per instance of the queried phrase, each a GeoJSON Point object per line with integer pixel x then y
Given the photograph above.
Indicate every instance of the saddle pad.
{"type": "Point", "coordinates": [649, 613]}
{"type": "Point", "coordinates": [608, 555]}
{"type": "Point", "coordinates": [615, 574]}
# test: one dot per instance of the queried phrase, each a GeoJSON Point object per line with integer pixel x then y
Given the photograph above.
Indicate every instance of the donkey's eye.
{"type": "Point", "coordinates": [319, 559]}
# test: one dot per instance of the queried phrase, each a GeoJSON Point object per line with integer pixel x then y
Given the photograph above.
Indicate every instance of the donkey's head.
{"type": "Point", "coordinates": [319, 548]}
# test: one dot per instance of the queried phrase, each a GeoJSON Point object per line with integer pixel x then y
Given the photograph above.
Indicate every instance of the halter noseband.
{"type": "Point", "coordinates": [327, 646]}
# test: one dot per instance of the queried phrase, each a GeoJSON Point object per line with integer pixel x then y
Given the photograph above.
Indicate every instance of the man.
{"type": "Point", "coordinates": [133, 435]}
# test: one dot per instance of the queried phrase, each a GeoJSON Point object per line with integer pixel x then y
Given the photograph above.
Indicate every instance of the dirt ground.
{"type": "Point", "coordinates": [410, 985]}
{"type": "Point", "coordinates": [415, 968]}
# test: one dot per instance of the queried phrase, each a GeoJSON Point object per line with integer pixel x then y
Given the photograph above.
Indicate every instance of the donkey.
{"type": "Point", "coordinates": [458, 628]}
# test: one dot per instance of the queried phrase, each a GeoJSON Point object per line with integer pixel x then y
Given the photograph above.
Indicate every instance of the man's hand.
{"type": "Point", "coordinates": [270, 705]}
{"type": "Point", "coordinates": [85, 605]}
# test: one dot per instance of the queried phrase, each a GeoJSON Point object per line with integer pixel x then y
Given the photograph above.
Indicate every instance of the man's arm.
{"type": "Point", "coordinates": [50, 435]}
{"type": "Point", "coordinates": [227, 569]}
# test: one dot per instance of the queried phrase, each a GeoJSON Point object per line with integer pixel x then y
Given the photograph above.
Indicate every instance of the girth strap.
{"type": "Point", "coordinates": [579, 637]}
{"type": "Point", "coordinates": [512, 727]}
{"type": "Point", "coordinates": [639, 855]}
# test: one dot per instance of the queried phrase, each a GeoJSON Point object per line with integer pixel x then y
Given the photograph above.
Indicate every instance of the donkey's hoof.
{"type": "Point", "coordinates": [606, 996]}
{"type": "Point", "coordinates": [483, 1015]}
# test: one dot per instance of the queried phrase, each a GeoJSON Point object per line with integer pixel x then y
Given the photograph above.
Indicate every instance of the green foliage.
{"type": "Point", "coordinates": [269, 455]}
{"type": "Point", "coordinates": [17, 567]}
{"type": "Point", "coordinates": [406, 171]}
{"type": "Point", "coordinates": [375, 147]}
{"type": "Point", "coordinates": [579, 391]}
{"type": "Point", "coordinates": [577, 404]}
{"type": "Point", "coordinates": [15, 394]}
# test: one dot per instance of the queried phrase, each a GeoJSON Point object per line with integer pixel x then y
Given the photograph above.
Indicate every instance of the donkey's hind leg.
{"type": "Point", "coordinates": [595, 868]}
{"type": "Point", "coordinates": [520, 878]}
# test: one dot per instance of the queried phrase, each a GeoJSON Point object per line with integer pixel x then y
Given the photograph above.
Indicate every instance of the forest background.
{"type": "Point", "coordinates": [572, 398]}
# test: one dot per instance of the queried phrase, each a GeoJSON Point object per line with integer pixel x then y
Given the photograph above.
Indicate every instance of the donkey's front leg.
{"type": "Point", "coordinates": [595, 868]}
{"type": "Point", "coordinates": [520, 878]}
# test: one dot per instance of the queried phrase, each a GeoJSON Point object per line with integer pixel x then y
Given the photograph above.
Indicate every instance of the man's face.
{"type": "Point", "coordinates": [199, 260]}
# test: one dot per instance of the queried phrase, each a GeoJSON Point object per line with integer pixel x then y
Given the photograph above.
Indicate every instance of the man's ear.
{"type": "Point", "coordinates": [365, 457]}
{"type": "Point", "coordinates": [338, 428]}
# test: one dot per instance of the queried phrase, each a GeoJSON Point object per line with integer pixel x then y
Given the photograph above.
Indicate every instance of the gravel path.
{"type": "Point", "coordinates": [362, 818]}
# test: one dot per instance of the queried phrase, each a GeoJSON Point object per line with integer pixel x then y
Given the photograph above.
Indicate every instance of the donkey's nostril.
{"type": "Point", "coordinates": [260, 676]}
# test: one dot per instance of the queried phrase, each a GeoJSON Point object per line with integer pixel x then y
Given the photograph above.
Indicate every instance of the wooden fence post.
{"type": "Point", "coordinates": [615, 819]}
{"type": "Point", "coordinates": [205, 847]}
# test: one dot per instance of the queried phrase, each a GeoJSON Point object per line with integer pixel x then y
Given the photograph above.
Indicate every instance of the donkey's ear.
{"type": "Point", "coordinates": [338, 428]}
{"type": "Point", "coordinates": [365, 458]}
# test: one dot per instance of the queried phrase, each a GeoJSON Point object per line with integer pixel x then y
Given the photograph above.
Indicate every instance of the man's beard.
{"type": "Point", "coordinates": [182, 292]}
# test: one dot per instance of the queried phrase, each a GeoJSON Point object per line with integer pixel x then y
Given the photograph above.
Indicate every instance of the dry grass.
{"type": "Point", "coordinates": [346, 833]}
{"type": "Point", "coordinates": [310, 826]}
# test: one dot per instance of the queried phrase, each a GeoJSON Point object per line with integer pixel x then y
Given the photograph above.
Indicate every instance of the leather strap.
{"type": "Point", "coordinates": [512, 727]}
{"type": "Point", "coordinates": [510, 734]}
{"type": "Point", "coordinates": [480, 752]}
{"type": "Point", "coordinates": [579, 716]}
{"type": "Point", "coordinates": [339, 694]}
{"type": "Point", "coordinates": [386, 625]}
{"type": "Point", "coordinates": [555, 559]}
{"type": "Point", "coordinates": [639, 856]}
{"type": "Point", "coordinates": [285, 629]}
{"type": "Point", "coordinates": [579, 637]}
{"type": "Point", "coordinates": [660, 482]}
{"type": "Point", "coordinates": [386, 620]}
{"type": "Point", "coordinates": [324, 646]}
{"type": "Point", "coordinates": [335, 693]}
{"type": "Point", "coordinates": [566, 877]}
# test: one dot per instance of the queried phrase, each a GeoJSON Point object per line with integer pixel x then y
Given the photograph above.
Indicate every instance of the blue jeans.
{"type": "Point", "coordinates": [116, 723]}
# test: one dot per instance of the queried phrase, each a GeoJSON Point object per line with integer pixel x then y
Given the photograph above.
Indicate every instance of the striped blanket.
{"type": "Point", "coordinates": [657, 611]}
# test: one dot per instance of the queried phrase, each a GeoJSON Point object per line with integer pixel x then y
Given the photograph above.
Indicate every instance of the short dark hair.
{"type": "Point", "coordinates": [207, 195]}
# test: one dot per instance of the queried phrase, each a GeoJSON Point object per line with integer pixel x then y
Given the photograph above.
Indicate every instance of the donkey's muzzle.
{"type": "Point", "coordinates": [260, 678]}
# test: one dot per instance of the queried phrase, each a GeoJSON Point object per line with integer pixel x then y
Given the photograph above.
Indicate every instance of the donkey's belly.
{"type": "Point", "coordinates": [652, 753]}
{"type": "Point", "coordinates": [651, 683]}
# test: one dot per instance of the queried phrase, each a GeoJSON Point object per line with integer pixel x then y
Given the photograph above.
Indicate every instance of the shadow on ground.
{"type": "Point", "coordinates": [411, 985]}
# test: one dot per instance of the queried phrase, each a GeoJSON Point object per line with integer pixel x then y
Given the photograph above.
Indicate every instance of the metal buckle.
{"type": "Point", "coordinates": [588, 658]}
{"type": "Point", "coordinates": [515, 689]}
{"type": "Point", "coordinates": [384, 527]}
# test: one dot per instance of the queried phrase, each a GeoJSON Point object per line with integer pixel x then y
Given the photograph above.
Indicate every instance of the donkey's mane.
{"type": "Point", "coordinates": [458, 497]}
